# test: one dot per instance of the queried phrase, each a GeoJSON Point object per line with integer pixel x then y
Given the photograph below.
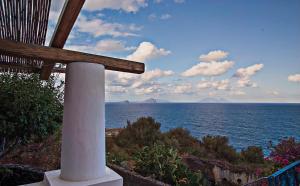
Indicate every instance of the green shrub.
{"type": "Point", "coordinates": [143, 132]}
{"type": "Point", "coordinates": [183, 141]}
{"type": "Point", "coordinates": [219, 147]}
{"type": "Point", "coordinates": [253, 154]}
{"type": "Point", "coordinates": [163, 163]}
{"type": "Point", "coordinates": [30, 109]}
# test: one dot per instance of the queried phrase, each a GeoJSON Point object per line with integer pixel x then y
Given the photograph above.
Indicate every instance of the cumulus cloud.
{"type": "Point", "coordinates": [115, 89]}
{"type": "Point", "coordinates": [125, 5]}
{"type": "Point", "coordinates": [237, 93]}
{"type": "Point", "coordinates": [217, 85]}
{"type": "Point", "coordinates": [209, 69]}
{"type": "Point", "coordinates": [106, 45]}
{"type": "Point", "coordinates": [248, 71]}
{"type": "Point", "coordinates": [98, 27]}
{"type": "Point", "coordinates": [183, 88]}
{"type": "Point", "coordinates": [244, 75]}
{"type": "Point", "coordinates": [215, 55]}
{"type": "Point", "coordinates": [155, 88]}
{"type": "Point", "coordinates": [134, 80]}
{"type": "Point", "coordinates": [146, 51]}
{"type": "Point", "coordinates": [150, 75]}
{"type": "Point", "coordinates": [111, 45]}
{"type": "Point", "coordinates": [294, 78]}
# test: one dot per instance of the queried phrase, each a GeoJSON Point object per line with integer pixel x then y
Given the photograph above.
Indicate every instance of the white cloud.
{"type": "Point", "coordinates": [179, 1]}
{"type": "Point", "coordinates": [115, 89]}
{"type": "Point", "coordinates": [150, 75]}
{"type": "Point", "coordinates": [209, 69]}
{"type": "Point", "coordinates": [217, 85]}
{"type": "Point", "coordinates": [244, 75]}
{"type": "Point", "coordinates": [111, 45]}
{"type": "Point", "coordinates": [165, 16]}
{"type": "Point", "coordinates": [98, 27]}
{"type": "Point", "coordinates": [135, 80]}
{"type": "Point", "coordinates": [238, 93]}
{"type": "Point", "coordinates": [294, 78]}
{"type": "Point", "coordinates": [148, 90]}
{"type": "Point", "coordinates": [248, 71]}
{"type": "Point", "coordinates": [215, 55]}
{"type": "Point", "coordinates": [146, 51]}
{"type": "Point", "coordinates": [183, 88]}
{"type": "Point", "coordinates": [274, 93]}
{"type": "Point", "coordinates": [125, 5]}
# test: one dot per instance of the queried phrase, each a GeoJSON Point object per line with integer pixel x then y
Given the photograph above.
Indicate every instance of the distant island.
{"type": "Point", "coordinates": [150, 100]}
{"type": "Point", "coordinates": [214, 100]}
{"type": "Point", "coordinates": [153, 100]}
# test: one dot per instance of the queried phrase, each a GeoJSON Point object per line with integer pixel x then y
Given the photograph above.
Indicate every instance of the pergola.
{"type": "Point", "coordinates": [22, 39]}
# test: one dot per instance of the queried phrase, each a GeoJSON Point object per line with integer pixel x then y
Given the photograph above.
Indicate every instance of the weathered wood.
{"type": "Point", "coordinates": [64, 26]}
{"type": "Point", "coordinates": [24, 21]}
{"type": "Point", "coordinates": [5, 67]}
{"type": "Point", "coordinates": [13, 48]}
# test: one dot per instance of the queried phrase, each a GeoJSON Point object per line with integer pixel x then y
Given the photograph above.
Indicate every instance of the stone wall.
{"type": "Point", "coordinates": [220, 172]}
{"type": "Point", "coordinates": [11, 174]}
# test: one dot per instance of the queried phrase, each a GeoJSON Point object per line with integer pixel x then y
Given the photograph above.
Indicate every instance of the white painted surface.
{"type": "Point", "coordinates": [110, 178]}
{"type": "Point", "coordinates": [52, 178]}
{"type": "Point", "coordinates": [83, 134]}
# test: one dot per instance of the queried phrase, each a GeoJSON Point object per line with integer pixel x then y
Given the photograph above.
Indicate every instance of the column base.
{"type": "Point", "coordinates": [52, 178]}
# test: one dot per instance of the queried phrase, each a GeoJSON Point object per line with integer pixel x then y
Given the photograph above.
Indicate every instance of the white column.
{"type": "Point", "coordinates": [83, 134]}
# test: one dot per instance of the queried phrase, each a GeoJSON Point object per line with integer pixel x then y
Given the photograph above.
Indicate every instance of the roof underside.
{"type": "Point", "coordinates": [23, 21]}
{"type": "Point", "coordinates": [23, 27]}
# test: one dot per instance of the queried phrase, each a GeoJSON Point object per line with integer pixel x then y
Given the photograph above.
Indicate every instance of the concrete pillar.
{"type": "Point", "coordinates": [83, 134]}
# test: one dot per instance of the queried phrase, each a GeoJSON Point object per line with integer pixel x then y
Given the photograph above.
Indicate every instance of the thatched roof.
{"type": "Point", "coordinates": [23, 27]}
{"type": "Point", "coordinates": [24, 21]}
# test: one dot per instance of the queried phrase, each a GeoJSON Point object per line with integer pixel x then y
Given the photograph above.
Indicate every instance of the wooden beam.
{"type": "Point", "coordinates": [64, 26]}
{"type": "Point", "coordinates": [18, 49]}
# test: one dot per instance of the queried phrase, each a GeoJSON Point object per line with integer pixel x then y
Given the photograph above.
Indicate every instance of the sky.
{"type": "Point", "coordinates": [242, 51]}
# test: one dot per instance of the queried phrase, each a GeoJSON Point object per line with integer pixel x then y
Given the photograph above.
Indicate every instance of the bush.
{"type": "Point", "coordinates": [285, 152]}
{"type": "Point", "coordinates": [182, 140]}
{"type": "Point", "coordinates": [219, 147]}
{"type": "Point", "coordinates": [164, 164]}
{"type": "Point", "coordinates": [143, 132]}
{"type": "Point", "coordinates": [30, 109]}
{"type": "Point", "coordinates": [253, 154]}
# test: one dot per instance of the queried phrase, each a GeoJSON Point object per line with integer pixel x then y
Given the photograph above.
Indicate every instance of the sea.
{"type": "Point", "coordinates": [245, 124]}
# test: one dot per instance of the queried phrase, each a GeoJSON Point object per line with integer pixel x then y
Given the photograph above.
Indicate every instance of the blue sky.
{"type": "Point", "coordinates": [244, 51]}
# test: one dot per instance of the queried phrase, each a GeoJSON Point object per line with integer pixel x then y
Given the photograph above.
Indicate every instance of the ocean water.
{"type": "Point", "coordinates": [244, 124]}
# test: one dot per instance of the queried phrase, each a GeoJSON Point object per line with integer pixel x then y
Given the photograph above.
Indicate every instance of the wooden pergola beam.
{"type": "Point", "coordinates": [64, 26]}
{"type": "Point", "coordinates": [18, 49]}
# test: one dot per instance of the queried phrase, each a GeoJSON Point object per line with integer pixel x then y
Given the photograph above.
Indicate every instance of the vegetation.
{"type": "Point", "coordinates": [142, 147]}
{"type": "Point", "coordinates": [164, 163]}
{"type": "Point", "coordinates": [253, 154]}
{"type": "Point", "coordinates": [284, 153]}
{"type": "Point", "coordinates": [30, 110]}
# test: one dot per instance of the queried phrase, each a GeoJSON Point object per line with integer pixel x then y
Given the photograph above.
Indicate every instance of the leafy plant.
{"type": "Point", "coordinates": [253, 154]}
{"type": "Point", "coordinates": [30, 109]}
{"type": "Point", "coordinates": [183, 141]}
{"type": "Point", "coordinates": [220, 148]}
{"type": "Point", "coordinates": [165, 164]}
{"type": "Point", "coordinates": [143, 132]}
